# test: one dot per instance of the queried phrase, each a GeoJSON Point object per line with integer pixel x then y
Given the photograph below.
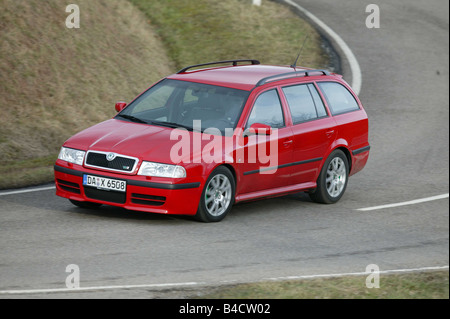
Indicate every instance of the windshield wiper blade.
{"type": "Point", "coordinates": [173, 125]}
{"type": "Point", "coordinates": [132, 118]}
{"type": "Point", "coordinates": [160, 123]}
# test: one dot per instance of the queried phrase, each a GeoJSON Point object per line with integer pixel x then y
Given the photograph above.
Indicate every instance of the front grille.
{"type": "Point", "coordinates": [119, 163]}
{"type": "Point", "coordinates": [107, 196]}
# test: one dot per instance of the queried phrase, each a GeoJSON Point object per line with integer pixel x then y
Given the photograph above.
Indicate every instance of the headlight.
{"type": "Point", "coordinates": [162, 170]}
{"type": "Point", "coordinates": [71, 155]}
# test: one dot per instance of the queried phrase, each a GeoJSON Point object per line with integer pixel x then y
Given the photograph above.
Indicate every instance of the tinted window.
{"type": "Point", "coordinates": [320, 107]}
{"type": "Point", "coordinates": [157, 99]}
{"type": "Point", "coordinates": [304, 103]}
{"type": "Point", "coordinates": [267, 110]}
{"type": "Point", "coordinates": [182, 102]}
{"type": "Point", "coordinates": [339, 99]}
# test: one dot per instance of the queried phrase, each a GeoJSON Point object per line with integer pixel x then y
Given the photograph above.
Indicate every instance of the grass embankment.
{"type": "Point", "coordinates": [197, 31]}
{"type": "Point", "coordinates": [425, 285]}
{"type": "Point", "coordinates": [57, 81]}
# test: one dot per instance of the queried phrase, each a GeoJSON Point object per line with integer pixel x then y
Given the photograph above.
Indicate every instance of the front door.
{"type": "Point", "coordinates": [264, 159]}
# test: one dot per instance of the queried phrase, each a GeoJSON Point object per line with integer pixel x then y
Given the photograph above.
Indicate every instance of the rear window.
{"type": "Point", "coordinates": [338, 97]}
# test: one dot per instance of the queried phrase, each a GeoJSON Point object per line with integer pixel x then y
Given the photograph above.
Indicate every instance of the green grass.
{"type": "Point", "coordinates": [424, 285]}
{"type": "Point", "coordinates": [58, 81]}
{"type": "Point", "coordinates": [197, 31]}
{"type": "Point", "coordinates": [23, 173]}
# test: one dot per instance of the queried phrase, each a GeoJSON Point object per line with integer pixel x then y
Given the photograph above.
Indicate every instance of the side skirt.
{"type": "Point", "coordinates": [275, 192]}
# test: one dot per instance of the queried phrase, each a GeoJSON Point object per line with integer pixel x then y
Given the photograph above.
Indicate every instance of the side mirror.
{"type": "Point", "coordinates": [120, 106]}
{"type": "Point", "coordinates": [258, 129]}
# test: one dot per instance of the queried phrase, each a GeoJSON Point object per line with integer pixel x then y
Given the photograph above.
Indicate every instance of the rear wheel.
{"type": "Point", "coordinates": [332, 180]}
{"type": "Point", "coordinates": [217, 197]}
{"type": "Point", "coordinates": [90, 205]}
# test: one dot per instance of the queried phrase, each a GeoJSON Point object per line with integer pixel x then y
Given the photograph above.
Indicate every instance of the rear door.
{"type": "Point", "coordinates": [313, 131]}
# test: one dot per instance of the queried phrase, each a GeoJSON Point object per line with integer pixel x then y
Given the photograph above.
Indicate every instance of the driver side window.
{"type": "Point", "coordinates": [267, 110]}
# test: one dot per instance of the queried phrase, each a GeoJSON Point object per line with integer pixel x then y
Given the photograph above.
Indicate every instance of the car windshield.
{"type": "Point", "coordinates": [175, 103]}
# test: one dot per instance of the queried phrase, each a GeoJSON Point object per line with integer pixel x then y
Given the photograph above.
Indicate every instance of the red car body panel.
{"type": "Point", "coordinates": [302, 149]}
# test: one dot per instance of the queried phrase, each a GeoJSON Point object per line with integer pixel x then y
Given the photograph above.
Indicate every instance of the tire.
{"type": "Point", "coordinates": [89, 205]}
{"type": "Point", "coordinates": [333, 179]}
{"type": "Point", "coordinates": [217, 197]}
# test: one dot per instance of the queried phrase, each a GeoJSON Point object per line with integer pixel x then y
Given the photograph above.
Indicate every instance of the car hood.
{"type": "Point", "coordinates": [147, 142]}
{"type": "Point", "coordinates": [143, 141]}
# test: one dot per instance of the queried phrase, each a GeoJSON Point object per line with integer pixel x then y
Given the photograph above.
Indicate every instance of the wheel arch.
{"type": "Point", "coordinates": [232, 170]}
{"type": "Point", "coordinates": [211, 168]}
{"type": "Point", "coordinates": [341, 144]}
{"type": "Point", "coordinates": [348, 154]}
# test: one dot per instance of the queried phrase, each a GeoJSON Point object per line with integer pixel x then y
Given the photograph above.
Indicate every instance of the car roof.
{"type": "Point", "coordinates": [243, 77]}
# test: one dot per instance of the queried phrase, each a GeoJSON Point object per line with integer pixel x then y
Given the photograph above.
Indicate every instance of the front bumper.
{"type": "Point", "coordinates": [142, 193]}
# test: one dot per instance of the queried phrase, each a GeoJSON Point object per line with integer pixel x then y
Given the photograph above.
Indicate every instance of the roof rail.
{"type": "Point", "coordinates": [290, 74]}
{"type": "Point", "coordinates": [234, 63]}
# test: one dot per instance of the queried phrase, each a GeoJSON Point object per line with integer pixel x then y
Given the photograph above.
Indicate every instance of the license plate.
{"type": "Point", "coordinates": [105, 183]}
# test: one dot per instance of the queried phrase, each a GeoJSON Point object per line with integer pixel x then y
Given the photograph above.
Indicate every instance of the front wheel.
{"type": "Point", "coordinates": [217, 197]}
{"type": "Point", "coordinates": [332, 180]}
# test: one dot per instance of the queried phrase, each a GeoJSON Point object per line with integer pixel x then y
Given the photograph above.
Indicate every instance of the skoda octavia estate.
{"type": "Point", "coordinates": [219, 133]}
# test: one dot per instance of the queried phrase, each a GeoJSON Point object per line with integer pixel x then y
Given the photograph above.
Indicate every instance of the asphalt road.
{"type": "Point", "coordinates": [405, 80]}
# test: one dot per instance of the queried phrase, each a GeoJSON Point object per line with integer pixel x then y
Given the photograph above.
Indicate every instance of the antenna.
{"type": "Point", "coordinates": [303, 45]}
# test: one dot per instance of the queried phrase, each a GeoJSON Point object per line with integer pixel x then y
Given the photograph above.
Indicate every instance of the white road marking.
{"type": "Point", "coordinates": [20, 191]}
{"type": "Point", "coordinates": [191, 284]}
{"type": "Point", "coordinates": [84, 289]}
{"type": "Point", "coordinates": [392, 271]}
{"type": "Point", "coordinates": [412, 202]}
{"type": "Point", "coordinates": [354, 65]}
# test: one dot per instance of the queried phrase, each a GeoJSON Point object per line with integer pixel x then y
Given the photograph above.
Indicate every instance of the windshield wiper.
{"type": "Point", "coordinates": [160, 123]}
{"type": "Point", "coordinates": [132, 118]}
{"type": "Point", "coordinates": [172, 124]}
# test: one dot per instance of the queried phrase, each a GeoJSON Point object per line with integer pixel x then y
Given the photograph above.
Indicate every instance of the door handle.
{"type": "Point", "coordinates": [287, 143]}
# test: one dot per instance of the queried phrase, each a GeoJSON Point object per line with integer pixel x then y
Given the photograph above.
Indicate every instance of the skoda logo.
{"type": "Point", "coordinates": [110, 156]}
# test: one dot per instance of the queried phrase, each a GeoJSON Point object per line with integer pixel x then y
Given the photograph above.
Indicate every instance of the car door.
{"type": "Point", "coordinates": [313, 131]}
{"type": "Point", "coordinates": [270, 170]}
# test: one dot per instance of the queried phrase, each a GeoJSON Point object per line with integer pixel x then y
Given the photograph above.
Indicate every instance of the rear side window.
{"type": "Point", "coordinates": [339, 99]}
{"type": "Point", "coordinates": [267, 110]}
{"type": "Point", "coordinates": [304, 102]}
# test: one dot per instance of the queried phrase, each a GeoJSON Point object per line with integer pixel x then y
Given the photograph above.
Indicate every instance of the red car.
{"type": "Point", "coordinates": [216, 134]}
